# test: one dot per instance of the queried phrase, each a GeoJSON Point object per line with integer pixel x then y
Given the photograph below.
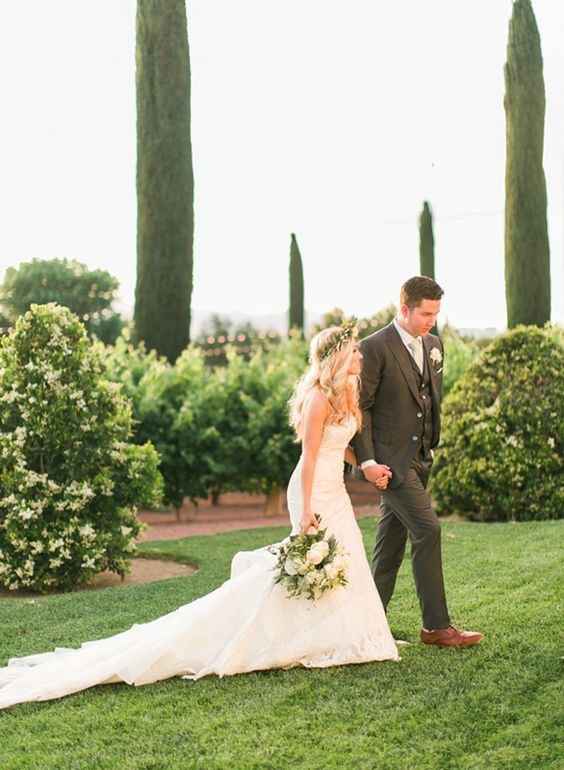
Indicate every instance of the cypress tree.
{"type": "Point", "coordinates": [427, 246]}
{"type": "Point", "coordinates": [426, 242]}
{"type": "Point", "coordinates": [296, 316]}
{"type": "Point", "coordinates": [165, 180]}
{"type": "Point", "coordinates": [527, 256]}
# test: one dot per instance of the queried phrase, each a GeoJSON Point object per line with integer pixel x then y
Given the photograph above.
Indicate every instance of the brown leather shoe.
{"type": "Point", "coordinates": [451, 637]}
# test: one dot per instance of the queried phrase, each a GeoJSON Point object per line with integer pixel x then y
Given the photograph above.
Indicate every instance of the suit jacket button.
{"type": "Point", "coordinates": [420, 414]}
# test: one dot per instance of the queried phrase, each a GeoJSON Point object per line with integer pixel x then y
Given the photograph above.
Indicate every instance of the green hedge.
{"type": "Point", "coordinates": [216, 430]}
{"type": "Point", "coordinates": [502, 451]}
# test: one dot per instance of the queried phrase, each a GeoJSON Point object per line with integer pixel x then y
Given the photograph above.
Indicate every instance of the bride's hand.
{"type": "Point", "coordinates": [377, 473]}
{"type": "Point", "coordinates": [308, 520]}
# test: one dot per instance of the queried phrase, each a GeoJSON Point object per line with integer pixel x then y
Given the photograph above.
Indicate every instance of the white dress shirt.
{"type": "Point", "coordinates": [414, 347]}
{"type": "Point", "coordinates": [413, 344]}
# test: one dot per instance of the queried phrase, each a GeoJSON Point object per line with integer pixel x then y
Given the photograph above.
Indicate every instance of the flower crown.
{"type": "Point", "coordinates": [339, 339]}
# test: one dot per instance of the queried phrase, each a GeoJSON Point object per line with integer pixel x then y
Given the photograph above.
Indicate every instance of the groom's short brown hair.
{"type": "Point", "coordinates": [418, 288]}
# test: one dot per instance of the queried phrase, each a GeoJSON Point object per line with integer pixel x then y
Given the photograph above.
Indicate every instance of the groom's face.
{"type": "Point", "coordinates": [420, 320]}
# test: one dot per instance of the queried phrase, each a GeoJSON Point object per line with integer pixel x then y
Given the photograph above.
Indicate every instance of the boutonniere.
{"type": "Point", "coordinates": [436, 357]}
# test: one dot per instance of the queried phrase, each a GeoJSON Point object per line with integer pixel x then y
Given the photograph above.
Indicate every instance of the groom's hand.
{"type": "Point", "coordinates": [379, 475]}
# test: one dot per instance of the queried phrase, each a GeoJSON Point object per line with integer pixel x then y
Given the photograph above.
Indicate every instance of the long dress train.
{"type": "Point", "coordinates": [247, 624]}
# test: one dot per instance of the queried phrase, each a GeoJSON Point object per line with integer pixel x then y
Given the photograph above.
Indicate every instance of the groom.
{"type": "Point", "coordinates": [401, 391]}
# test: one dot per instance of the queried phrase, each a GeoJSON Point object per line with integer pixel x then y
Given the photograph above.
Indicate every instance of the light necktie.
{"type": "Point", "coordinates": [416, 348]}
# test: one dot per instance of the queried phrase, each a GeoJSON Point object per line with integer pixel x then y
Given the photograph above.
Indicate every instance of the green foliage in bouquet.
{"type": "Point", "coordinates": [502, 449]}
{"type": "Point", "coordinates": [308, 565]}
{"type": "Point", "coordinates": [70, 478]}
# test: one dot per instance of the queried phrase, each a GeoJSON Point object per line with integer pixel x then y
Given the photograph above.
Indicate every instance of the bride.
{"type": "Point", "coordinates": [249, 623]}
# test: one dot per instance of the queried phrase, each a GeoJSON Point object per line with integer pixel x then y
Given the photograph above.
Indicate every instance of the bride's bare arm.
{"type": "Point", "coordinates": [314, 420]}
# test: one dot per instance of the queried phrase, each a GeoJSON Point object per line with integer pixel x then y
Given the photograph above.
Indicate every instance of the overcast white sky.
{"type": "Point", "coordinates": [333, 119]}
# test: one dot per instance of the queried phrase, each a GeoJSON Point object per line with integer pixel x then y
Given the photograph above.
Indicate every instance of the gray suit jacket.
{"type": "Point", "coordinates": [390, 401]}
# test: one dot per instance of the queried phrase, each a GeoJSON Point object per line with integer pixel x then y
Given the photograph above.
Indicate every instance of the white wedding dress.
{"type": "Point", "coordinates": [247, 624]}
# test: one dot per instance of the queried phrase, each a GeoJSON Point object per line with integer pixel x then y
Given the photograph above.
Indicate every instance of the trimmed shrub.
{"type": "Point", "coordinates": [502, 455]}
{"type": "Point", "coordinates": [459, 354]}
{"type": "Point", "coordinates": [70, 479]}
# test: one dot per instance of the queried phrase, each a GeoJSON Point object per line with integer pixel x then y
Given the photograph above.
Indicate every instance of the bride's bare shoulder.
{"type": "Point", "coordinates": [317, 403]}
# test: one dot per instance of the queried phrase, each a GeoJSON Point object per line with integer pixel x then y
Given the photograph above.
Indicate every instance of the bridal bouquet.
{"type": "Point", "coordinates": [310, 564]}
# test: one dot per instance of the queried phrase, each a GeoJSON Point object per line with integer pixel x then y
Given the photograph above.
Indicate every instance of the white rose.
{"type": "Point", "coordinates": [311, 530]}
{"type": "Point", "coordinates": [318, 552]}
{"type": "Point", "coordinates": [311, 578]}
{"type": "Point", "coordinates": [339, 562]}
{"type": "Point", "coordinates": [125, 531]}
{"type": "Point", "coordinates": [290, 567]}
{"type": "Point", "coordinates": [331, 571]}
{"type": "Point", "coordinates": [436, 356]}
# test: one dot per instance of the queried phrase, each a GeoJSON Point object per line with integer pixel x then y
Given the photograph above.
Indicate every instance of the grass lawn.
{"type": "Point", "coordinates": [495, 706]}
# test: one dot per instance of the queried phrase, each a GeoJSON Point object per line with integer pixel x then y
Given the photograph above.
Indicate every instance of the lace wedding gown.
{"type": "Point", "coordinates": [247, 624]}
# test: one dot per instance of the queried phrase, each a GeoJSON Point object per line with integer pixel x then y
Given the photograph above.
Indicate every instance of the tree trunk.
{"type": "Point", "coordinates": [527, 256]}
{"type": "Point", "coordinates": [215, 497]}
{"type": "Point", "coordinates": [296, 315]}
{"type": "Point", "coordinates": [274, 502]}
{"type": "Point", "coordinates": [165, 182]}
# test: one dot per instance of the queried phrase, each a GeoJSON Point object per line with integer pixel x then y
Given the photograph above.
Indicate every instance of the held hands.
{"type": "Point", "coordinates": [307, 521]}
{"type": "Point", "coordinates": [379, 475]}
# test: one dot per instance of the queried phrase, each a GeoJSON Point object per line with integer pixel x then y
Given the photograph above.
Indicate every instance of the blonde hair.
{"type": "Point", "coordinates": [330, 375]}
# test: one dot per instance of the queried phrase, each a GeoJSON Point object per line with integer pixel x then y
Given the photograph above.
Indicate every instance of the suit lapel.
{"type": "Point", "coordinates": [404, 360]}
{"type": "Point", "coordinates": [427, 346]}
